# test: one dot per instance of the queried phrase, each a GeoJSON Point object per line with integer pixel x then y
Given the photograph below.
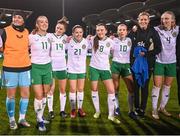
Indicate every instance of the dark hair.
{"type": "Point", "coordinates": [64, 21]}
{"type": "Point", "coordinates": [76, 26]}
{"type": "Point", "coordinates": [20, 13]}
{"type": "Point", "coordinates": [96, 38]}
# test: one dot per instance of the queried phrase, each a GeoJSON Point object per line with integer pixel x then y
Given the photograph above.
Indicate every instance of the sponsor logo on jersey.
{"type": "Point", "coordinates": [19, 36]}
{"type": "Point", "coordinates": [108, 44]}
{"type": "Point", "coordinates": [36, 40]}
{"type": "Point", "coordinates": [83, 46]}
{"type": "Point", "coordinates": [141, 44]}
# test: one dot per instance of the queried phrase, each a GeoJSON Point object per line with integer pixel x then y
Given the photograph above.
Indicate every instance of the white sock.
{"type": "Point", "coordinates": [80, 98]}
{"type": "Point", "coordinates": [165, 96]}
{"type": "Point", "coordinates": [11, 119]}
{"type": "Point", "coordinates": [95, 99]}
{"type": "Point", "coordinates": [62, 98]}
{"type": "Point", "coordinates": [50, 102]}
{"type": "Point", "coordinates": [155, 97]}
{"type": "Point", "coordinates": [44, 100]}
{"type": "Point", "coordinates": [38, 109]}
{"type": "Point", "coordinates": [111, 104]}
{"type": "Point", "coordinates": [72, 98]}
{"type": "Point", "coordinates": [130, 101]}
{"type": "Point", "coordinates": [117, 99]}
{"type": "Point", "coordinates": [21, 116]}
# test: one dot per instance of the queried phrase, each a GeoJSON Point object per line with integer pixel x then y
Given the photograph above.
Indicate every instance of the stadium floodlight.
{"type": "Point", "coordinates": [8, 15]}
{"type": "Point", "coordinates": [151, 16]}
{"type": "Point", "coordinates": [118, 22]}
{"type": "Point", "coordinates": [108, 23]}
{"type": "Point", "coordinates": [2, 22]}
{"type": "Point", "coordinates": [127, 20]}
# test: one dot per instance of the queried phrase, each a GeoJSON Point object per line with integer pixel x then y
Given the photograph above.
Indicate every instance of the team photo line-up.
{"type": "Point", "coordinates": [39, 58]}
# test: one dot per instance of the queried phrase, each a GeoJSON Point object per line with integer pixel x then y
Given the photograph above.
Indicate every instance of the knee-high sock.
{"type": "Point", "coordinates": [23, 105]}
{"type": "Point", "coordinates": [95, 99]}
{"type": "Point", "coordinates": [62, 98]}
{"type": "Point", "coordinates": [165, 96]}
{"type": "Point", "coordinates": [117, 99]}
{"type": "Point", "coordinates": [72, 98]}
{"type": "Point", "coordinates": [10, 108]}
{"type": "Point", "coordinates": [38, 109]}
{"type": "Point", "coordinates": [155, 97]}
{"type": "Point", "coordinates": [50, 102]}
{"type": "Point", "coordinates": [80, 98]}
{"type": "Point", "coordinates": [111, 104]}
{"type": "Point", "coordinates": [44, 100]}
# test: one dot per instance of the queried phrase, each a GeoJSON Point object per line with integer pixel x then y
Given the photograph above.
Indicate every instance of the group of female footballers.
{"type": "Point", "coordinates": [154, 46]}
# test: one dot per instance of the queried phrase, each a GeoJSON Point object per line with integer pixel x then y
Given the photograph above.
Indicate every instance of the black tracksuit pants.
{"type": "Point", "coordinates": [141, 103]}
{"type": "Point", "coordinates": [178, 83]}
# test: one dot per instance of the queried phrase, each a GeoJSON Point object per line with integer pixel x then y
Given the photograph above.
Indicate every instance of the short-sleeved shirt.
{"type": "Point", "coordinates": [77, 52]}
{"type": "Point", "coordinates": [100, 58]}
{"type": "Point", "coordinates": [121, 50]}
{"type": "Point", "coordinates": [58, 55]}
{"type": "Point", "coordinates": [40, 48]}
{"type": "Point", "coordinates": [168, 40]}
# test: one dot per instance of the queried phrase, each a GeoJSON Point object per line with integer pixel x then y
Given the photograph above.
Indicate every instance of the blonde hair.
{"type": "Point", "coordinates": [35, 30]}
{"type": "Point", "coordinates": [173, 23]}
{"type": "Point", "coordinates": [170, 13]}
{"type": "Point", "coordinates": [144, 13]}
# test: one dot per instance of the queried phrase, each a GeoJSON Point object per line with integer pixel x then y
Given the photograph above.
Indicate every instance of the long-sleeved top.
{"type": "Point", "coordinates": [148, 39]}
{"type": "Point", "coordinates": [178, 49]}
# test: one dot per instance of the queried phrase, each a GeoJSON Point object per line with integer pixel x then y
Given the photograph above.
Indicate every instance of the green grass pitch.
{"type": "Point", "coordinates": [89, 125]}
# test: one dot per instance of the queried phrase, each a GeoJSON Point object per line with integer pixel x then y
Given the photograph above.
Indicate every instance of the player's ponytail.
{"type": "Point", "coordinates": [64, 21]}
{"type": "Point", "coordinates": [96, 43]}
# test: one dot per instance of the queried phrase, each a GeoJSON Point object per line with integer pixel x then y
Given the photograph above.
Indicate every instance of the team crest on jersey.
{"type": "Point", "coordinates": [64, 41]}
{"type": "Point", "coordinates": [174, 34]}
{"type": "Point", "coordinates": [83, 46]}
{"type": "Point", "coordinates": [108, 44]}
{"type": "Point", "coordinates": [129, 43]}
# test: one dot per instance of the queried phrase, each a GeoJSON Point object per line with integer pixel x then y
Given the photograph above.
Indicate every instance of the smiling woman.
{"type": "Point", "coordinates": [16, 67]}
{"type": "Point", "coordinates": [147, 38]}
